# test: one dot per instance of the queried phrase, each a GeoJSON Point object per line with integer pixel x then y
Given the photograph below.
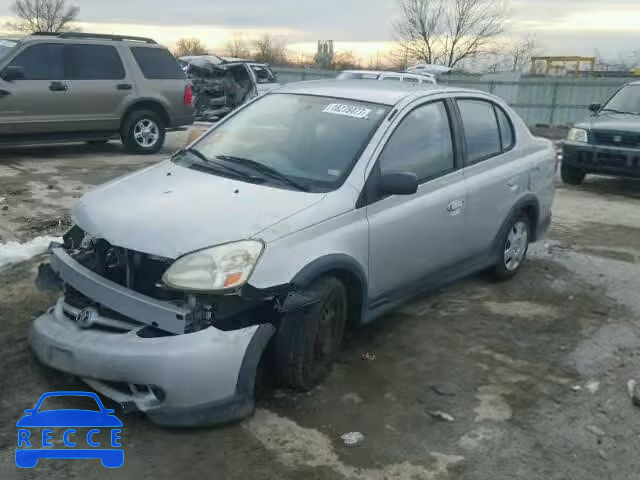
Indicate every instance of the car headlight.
{"type": "Point", "coordinates": [577, 135]}
{"type": "Point", "coordinates": [218, 268]}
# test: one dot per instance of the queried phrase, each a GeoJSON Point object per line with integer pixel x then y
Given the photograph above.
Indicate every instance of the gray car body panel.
{"type": "Point", "coordinates": [389, 245]}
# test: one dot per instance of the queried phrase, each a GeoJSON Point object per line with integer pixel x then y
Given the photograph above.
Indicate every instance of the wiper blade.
{"type": "Point", "coordinates": [619, 111]}
{"type": "Point", "coordinates": [264, 169]}
{"type": "Point", "coordinates": [206, 162]}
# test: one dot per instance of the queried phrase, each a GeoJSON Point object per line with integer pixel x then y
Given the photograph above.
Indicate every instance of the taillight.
{"type": "Point", "coordinates": [188, 95]}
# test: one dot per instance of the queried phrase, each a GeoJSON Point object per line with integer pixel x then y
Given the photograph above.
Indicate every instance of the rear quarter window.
{"type": "Point", "coordinates": [157, 63]}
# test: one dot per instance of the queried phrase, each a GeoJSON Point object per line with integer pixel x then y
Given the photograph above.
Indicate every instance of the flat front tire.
{"type": "Point", "coordinates": [307, 339]}
{"type": "Point", "coordinates": [143, 132]}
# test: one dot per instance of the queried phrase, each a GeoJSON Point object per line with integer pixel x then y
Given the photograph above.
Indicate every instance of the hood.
{"type": "Point", "coordinates": [620, 122]}
{"type": "Point", "coordinates": [169, 210]}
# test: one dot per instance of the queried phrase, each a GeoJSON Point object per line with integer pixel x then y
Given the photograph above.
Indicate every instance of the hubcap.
{"type": "Point", "coordinates": [516, 245]}
{"type": "Point", "coordinates": [146, 133]}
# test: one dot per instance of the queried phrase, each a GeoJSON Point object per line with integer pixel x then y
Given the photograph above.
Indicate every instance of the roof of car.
{"type": "Point", "coordinates": [387, 93]}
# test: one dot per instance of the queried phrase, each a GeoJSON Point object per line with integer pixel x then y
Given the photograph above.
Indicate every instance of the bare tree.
{"type": "Point", "coordinates": [345, 61]}
{"type": "Point", "coordinates": [520, 53]}
{"type": "Point", "coordinates": [270, 50]}
{"type": "Point", "coordinates": [449, 31]}
{"type": "Point", "coordinates": [43, 16]}
{"type": "Point", "coordinates": [189, 46]}
{"type": "Point", "coordinates": [237, 47]}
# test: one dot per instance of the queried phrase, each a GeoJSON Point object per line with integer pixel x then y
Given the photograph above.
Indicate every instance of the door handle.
{"type": "Point", "coordinates": [4, 93]}
{"type": "Point", "coordinates": [58, 87]}
{"type": "Point", "coordinates": [124, 86]}
{"type": "Point", "coordinates": [455, 206]}
{"type": "Point", "coordinates": [512, 183]}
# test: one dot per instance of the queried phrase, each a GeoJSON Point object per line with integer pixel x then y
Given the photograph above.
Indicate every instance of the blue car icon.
{"type": "Point", "coordinates": [27, 455]}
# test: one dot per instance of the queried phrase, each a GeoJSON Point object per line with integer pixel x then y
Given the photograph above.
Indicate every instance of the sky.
{"type": "Point", "coordinates": [562, 27]}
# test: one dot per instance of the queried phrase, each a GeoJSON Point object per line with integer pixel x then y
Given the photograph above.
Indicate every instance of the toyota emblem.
{"type": "Point", "coordinates": [86, 318]}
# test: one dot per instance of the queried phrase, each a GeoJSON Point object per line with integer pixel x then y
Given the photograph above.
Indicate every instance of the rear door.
{"type": "Point", "coordinates": [37, 103]}
{"type": "Point", "coordinates": [99, 86]}
{"type": "Point", "coordinates": [495, 172]}
{"type": "Point", "coordinates": [414, 236]}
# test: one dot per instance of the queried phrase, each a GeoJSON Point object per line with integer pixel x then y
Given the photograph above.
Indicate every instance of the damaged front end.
{"type": "Point", "coordinates": [218, 88]}
{"type": "Point", "coordinates": [185, 359]}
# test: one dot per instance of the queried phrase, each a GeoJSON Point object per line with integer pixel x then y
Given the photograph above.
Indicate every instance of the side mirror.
{"type": "Point", "coordinates": [398, 183]}
{"type": "Point", "coordinates": [13, 73]}
{"type": "Point", "coordinates": [29, 410]}
{"type": "Point", "coordinates": [595, 107]}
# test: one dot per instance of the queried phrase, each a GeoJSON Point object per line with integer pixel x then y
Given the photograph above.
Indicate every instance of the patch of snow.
{"type": "Point", "coordinates": [352, 438]}
{"type": "Point", "coordinates": [14, 252]}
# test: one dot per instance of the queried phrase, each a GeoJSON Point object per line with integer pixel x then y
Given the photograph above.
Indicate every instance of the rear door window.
{"type": "Point", "coordinates": [506, 129]}
{"type": "Point", "coordinates": [92, 62]}
{"type": "Point", "coordinates": [41, 62]}
{"type": "Point", "coordinates": [397, 79]}
{"type": "Point", "coordinates": [157, 63]}
{"type": "Point", "coordinates": [480, 130]}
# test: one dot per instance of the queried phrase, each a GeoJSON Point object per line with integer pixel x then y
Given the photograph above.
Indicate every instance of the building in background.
{"type": "Point", "coordinates": [325, 53]}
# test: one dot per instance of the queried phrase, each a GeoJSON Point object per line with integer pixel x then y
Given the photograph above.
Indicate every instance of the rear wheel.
{"type": "Point", "coordinates": [143, 132]}
{"type": "Point", "coordinates": [571, 175]}
{"type": "Point", "coordinates": [513, 247]}
{"type": "Point", "coordinates": [307, 339]}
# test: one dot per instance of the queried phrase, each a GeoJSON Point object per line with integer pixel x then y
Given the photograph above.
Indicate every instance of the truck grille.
{"type": "Point", "coordinates": [616, 139]}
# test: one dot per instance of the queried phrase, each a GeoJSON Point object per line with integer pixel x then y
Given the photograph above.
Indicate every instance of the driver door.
{"type": "Point", "coordinates": [415, 236]}
{"type": "Point", "coordinates": [38, 102]}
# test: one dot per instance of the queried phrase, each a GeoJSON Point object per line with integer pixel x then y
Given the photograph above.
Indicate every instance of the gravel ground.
{"type": "Point", "coordinates": [533, 371]}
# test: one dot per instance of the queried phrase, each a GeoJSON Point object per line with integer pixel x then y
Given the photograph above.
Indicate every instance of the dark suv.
{"type": "Point", "coordinates": [608, 142]}
{"type": "Point", "coordinates": [90, 87]}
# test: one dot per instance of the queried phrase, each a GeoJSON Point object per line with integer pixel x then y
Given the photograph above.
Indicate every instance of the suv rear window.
{"type": "Point", "coordinates": [92, 62]}
{"type": "Point", "coordinates": [157, 63]}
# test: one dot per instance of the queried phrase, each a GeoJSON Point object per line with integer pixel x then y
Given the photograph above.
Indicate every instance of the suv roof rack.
{"type": "Point", "coordinates": [116, 38]}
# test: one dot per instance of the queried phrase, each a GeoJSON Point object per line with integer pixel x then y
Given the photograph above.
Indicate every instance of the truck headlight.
{"type": "Point", "coordinates": [577, 135]}
{"type": "Point", "coordinates": [218, 268]}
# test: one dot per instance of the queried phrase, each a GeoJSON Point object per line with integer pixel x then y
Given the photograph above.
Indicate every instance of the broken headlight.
{"type": "Point", "coordinates": [220, 268]}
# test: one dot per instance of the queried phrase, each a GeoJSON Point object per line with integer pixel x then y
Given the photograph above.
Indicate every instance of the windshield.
{"type": "Point", "coordinates": [5, 47]}
{"type": "Point", "coordinates": [626, 100]}
{"type": "Point", "coordinates": [291, 141]}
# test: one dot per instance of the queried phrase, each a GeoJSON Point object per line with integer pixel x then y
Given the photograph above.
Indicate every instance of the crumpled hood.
{"type": "Point", "coordinates": [612, 121]}
{"type": "Point", "coordinates": [169, 210]}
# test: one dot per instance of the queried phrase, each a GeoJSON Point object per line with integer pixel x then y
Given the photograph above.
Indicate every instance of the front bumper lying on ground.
{"type": "Point", "coordinates": [193, 379]}
{"type": "Point", "coordinates": [608, 160]}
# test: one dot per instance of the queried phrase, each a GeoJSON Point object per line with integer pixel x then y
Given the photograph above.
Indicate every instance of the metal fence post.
{"type": "Point", "coordinates": [554, 100]}
{"type": "Point", "coordinates": [304, 75]}
{"type": "Point", "coordinates": [492, 87]}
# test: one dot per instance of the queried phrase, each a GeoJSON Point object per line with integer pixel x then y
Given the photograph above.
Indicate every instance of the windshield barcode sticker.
{"type": "Point", "coordinates": [347, 110]}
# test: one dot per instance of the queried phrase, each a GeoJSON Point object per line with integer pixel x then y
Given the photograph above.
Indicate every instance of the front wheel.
{"type": "Point", "coordinates": [571, 175]}
{"type": "Point", "coordinates": [143, 132]}
{"type": "Point", "coordinates": [307, 339]}
{"type": "Point", "coordinates": [513, 248]}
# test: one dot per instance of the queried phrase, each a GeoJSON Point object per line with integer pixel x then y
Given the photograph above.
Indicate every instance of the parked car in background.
{"type": "Point", "coordinates": [73, 87]}
{"type": "Point", "coordinates": [608, 142]}
{"type": "Point", "coordinates": [318, 206]}
{"type": "Point", "coordinates": [222, 84]}
{"type": "Point", "coordinates": [384, 75]}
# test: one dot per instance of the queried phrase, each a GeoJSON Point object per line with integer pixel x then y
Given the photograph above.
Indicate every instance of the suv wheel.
{"type": "Point", "coordinates": [307, 339]}
{"type": "Point", "coordinates": [513, 248]}
{"type": "Point", "coordinates": [143, 132]}
{"type": "Point", "coordinates": [571, 175]}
